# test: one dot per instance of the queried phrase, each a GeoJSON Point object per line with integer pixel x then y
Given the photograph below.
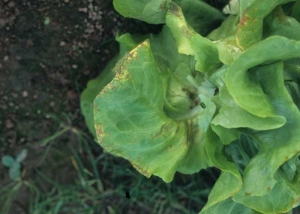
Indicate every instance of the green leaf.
{"type": "Point", "coordinates": [226, 135]}
{"type": "Point", "coordinates": [277, 23]}
{"type": "Point", "coordinates": [8, 161]}
{"type": "Point", "coordinates": [131, 122]}
{"type": "Point", "coordinates": [127, 42]}
{"type": "Point", "coordinates": [231, 115]}
{"type": "Point", "coordinates": [292, 79]}
{"type": "Point", "coordinates": [230, 207]}
{"type": "Point", "coordinates": [276, 146]}
{"type": "Point", "coordinates": [227, 29]}
{"type": "Point", "coordinates": [243, 87]}
{"type": "Point", "coordinates": [282, 198]}
{"type": "Point", "coordinates": [229, 182]}
{"type": "Point", "coordinates": [250, 28]}
{"type": "Point", "coordinates": [296, 11]}
{"type": "Point", "coordinates": [202, 17]}
{"type": "Point", "coordinates": [189, 42]}
{"type": "Point", "coordinates": [151, 11]}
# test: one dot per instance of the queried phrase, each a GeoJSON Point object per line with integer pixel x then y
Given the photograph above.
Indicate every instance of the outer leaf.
{"type": "Point", "coordinates": [277, 23]}
{"type": "Point", "coordinates": [127, 42]}
{"type": "Point", "coordinates": [250, 28]}
{"type": "Point", "coordinates": [230, 207]}
{"type": "Point", "coordinates": [233, 116]}
{"type": "Point", "coordinates": [276, 146]}
{"type": "Point", "coordinates": [226, 135]}
{"type": "Point", "coordinates": [202, 17]}
{"type": "Point", "coordinates": [296, 11]}
{"type": "Point", "coordinates": [292, 79]}
{"type": "Point", "coordinates": [151, 11]}
{"type": "Point", "coordinates": [247, 93]}
{"type": "Point", "coordinates": [189, 42]}
{"type": "Point", "coordinates": [192, 163]}
{"type": "Point", "coordinates": [282, 198]}
{"type": "Point", "coordinates": [229, 182]}
{"type": "Point", "coordinates": [141, 133]}
{"type": "Point", "coordinates": [227, 29]}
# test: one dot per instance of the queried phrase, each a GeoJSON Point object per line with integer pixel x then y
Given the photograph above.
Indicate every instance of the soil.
{"type": "Point", "coordinates": [48, 52]}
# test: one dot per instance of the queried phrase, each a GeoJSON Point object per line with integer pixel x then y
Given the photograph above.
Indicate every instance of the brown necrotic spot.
{"type": "Point", "coordinates": [100, 133]}
{"type": "Point", "coordinates": [175, 9]}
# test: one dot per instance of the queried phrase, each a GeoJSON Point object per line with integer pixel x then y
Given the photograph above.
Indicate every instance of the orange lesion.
{"type": "Point", "coordinates": [144, 171]}
{"type": "Point", "coordinates": [244, 19]}
{"type": "Point", "coordinates": [132, 55]}
{"type": "Point", "coordinates": [100, 133]}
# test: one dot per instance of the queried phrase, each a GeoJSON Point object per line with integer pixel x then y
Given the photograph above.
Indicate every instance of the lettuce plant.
{"type": "Point", "coordinates": [195, 96]}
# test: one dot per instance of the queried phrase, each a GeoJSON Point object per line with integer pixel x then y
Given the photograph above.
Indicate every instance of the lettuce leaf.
{"type": "Point", "coordinates": [181, 102]}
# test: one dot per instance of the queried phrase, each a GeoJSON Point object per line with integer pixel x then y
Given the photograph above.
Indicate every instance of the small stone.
{"type": "Point", "coordinates": [24, 94]}
{"type": "Point", "coordinates": [62, 43]}
{"type": "Point", "coordinates": [9, 124]}
{"type": "Point", "coordinates": [86, 72]}
{"type": "Point", "coordinates": [11, 4]}
{"type": "Point", "coordinates": [66, 1]}
{"type": "Point", "coordinates": [52, 104]}
{"type": "Point", "coordinates": [74, 66]}
{"type": "Point", "coordinates": [5, 58]}
{"type": "Point", "coordinates": [85, 10]}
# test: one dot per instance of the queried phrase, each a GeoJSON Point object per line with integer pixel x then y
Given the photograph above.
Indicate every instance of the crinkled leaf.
{"type": "Point", "coordinates": [250, 28]}
{"type": "Point", "coordinates": [226, 135]}
{"type": "Point", "coordinates": [296, 11]}
{"type": "Point", "coordinates": [197, 148]}
{"type": "Point", "coordinates": [231, 115]}
{"type": "Point", "coordinates": [151, 11]}
{"type": "Point", "coordinates": [130, 120]}
{"type": "Point", "coordinates": [282, 198]}
{"type": "Point", "coordinates": [292, 79]}
{"type": "Point", "coordinates": [277, 23]}
{"type": "Point", "coordinates": [241, 85]}
{"type": "Point", "coordinates": [230, 207]}
{"type": "Point", "coordinates": [202, 17]}
{"type": "Point", "coordinates": [229, 182]}
{"type": "Point", "coordinates": [189, 42]}
{"type": "Point", "coordinates": [127, 42]}
{"type": "Point", "coordinates": [276, 146]}
{"type": "Point", "coordinates": [227, 29]}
